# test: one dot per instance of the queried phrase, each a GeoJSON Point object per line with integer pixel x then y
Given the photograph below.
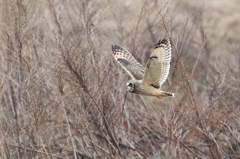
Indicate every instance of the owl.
{"type": "Point", "coordinates": [146, 81]}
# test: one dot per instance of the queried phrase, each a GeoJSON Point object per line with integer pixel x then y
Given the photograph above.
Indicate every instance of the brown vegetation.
{"type": "Point", "coordinates": [63, 95]}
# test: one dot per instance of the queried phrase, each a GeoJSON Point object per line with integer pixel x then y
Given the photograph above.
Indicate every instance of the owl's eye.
{"type": "Point", "coordinates": [130, 84]}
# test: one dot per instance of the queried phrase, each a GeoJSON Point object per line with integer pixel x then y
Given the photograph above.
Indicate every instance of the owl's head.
{"type": "Point", "coordinates": [130, 86]}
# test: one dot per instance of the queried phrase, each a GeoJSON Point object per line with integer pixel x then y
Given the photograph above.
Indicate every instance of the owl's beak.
{"type": "Point", "coordinates": [128, 88]}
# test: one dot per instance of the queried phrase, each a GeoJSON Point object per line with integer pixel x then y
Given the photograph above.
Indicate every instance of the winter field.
{"type": "Point", "coordinates": [63, 95]}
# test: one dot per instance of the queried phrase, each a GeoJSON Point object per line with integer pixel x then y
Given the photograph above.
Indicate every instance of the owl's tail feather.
{"type": "Point", "coordinates": [169, 94]}
{"type": "Point", "coordinates": [165, 95]}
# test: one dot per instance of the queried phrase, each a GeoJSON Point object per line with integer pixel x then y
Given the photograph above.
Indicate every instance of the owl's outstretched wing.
{"type": "Point", "coordinates": [158, 65]}
{"type": "Point", "coordinates": [128, 62]}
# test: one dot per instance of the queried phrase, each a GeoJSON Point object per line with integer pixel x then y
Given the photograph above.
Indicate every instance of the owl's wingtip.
{"type": "Point", "coordinates": [114, 48]}
{"type": "Point", "coordinates": [163, 42]}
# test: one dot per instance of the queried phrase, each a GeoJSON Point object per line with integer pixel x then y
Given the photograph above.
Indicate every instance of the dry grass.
{"type": "Point", "coordinates": [63, 95]}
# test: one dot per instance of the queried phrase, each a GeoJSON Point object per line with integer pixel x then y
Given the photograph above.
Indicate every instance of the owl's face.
{"type": "Point", "coordinates": [130, 86]}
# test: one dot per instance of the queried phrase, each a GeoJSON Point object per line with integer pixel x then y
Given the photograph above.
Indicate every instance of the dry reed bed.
{"type": "Point", "coordinates": [63, 95]}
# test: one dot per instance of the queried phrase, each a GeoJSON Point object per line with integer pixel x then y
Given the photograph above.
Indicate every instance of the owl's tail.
{"type": "Point", "coordinates": [169, 94]}
{"type": "Point", "coordinates": [165, 94]}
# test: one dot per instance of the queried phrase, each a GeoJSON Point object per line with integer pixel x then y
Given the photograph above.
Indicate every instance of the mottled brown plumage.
{"type": "Point", "coordinates": [148, 81]}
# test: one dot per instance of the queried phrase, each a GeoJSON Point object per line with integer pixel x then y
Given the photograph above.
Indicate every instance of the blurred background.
{"type": "Point", "coordinates": [63, 94]}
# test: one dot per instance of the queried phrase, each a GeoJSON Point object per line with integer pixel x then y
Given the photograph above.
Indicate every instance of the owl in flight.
{"type": "Point", "coordinates": [147, 81]}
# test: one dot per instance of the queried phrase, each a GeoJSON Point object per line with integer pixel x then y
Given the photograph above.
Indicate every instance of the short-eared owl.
{"type": "Point", "coordinates": [147, 81]}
